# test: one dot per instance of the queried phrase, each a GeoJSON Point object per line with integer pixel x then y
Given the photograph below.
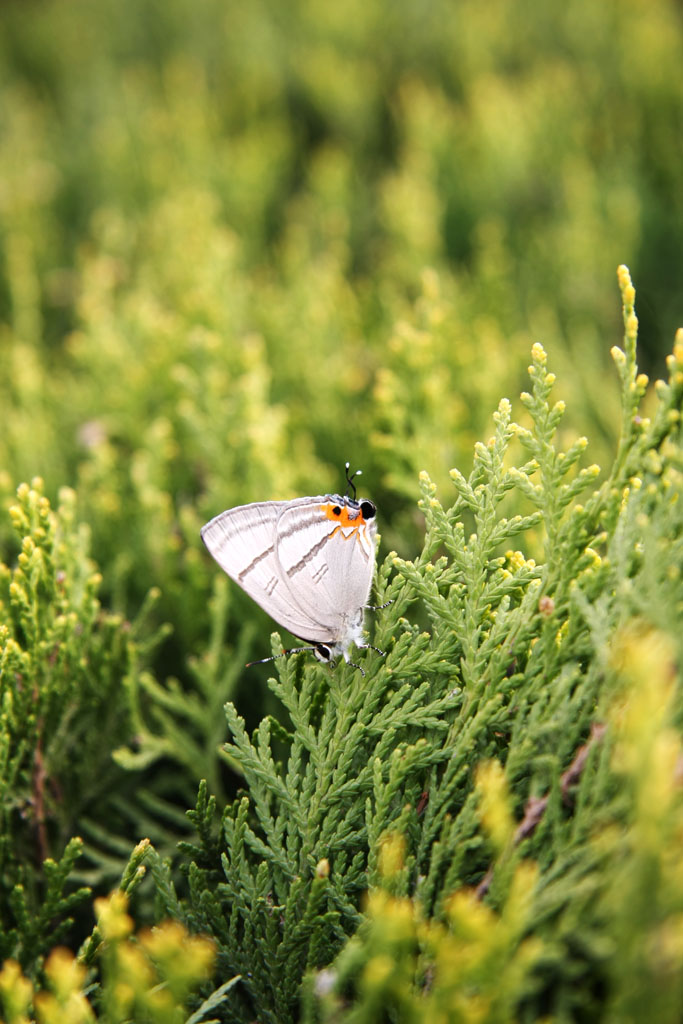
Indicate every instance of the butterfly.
{"type": "Point", "coordinates": [308, 563]}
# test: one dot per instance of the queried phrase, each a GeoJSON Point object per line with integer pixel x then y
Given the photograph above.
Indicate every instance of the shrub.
{"type": "Point", "coordinates": [498, 779]}
{"type": "Point", "coordinates": [236, 250]}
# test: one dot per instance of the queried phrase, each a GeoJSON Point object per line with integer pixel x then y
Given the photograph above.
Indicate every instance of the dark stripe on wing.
{"type": "Point", "coordinates": [303, 562]}
{"type": "Point", "coordinates": [317, 548]}
{"type": "Point", "coordinates": [304, 518]}
{"type": "Point", "coordinates": [254, 562]}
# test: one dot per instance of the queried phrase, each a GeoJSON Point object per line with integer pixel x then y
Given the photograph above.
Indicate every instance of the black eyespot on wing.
{"type": "Point", "coordinates": [368, 510]}
{"type": "Point", "coordinates": [336, 511]}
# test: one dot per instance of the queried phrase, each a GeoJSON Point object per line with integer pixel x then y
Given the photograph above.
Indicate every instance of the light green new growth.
{"type": "Point", "coordinates": [148, 977]}
{"type": "Point", "coordinates": [63, 663]}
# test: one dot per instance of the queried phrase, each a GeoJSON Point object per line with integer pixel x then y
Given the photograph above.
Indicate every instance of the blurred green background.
{"type": "Point", "coordinates": [242, 243]}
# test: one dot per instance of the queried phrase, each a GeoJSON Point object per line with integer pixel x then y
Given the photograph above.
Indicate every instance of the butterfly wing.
{"type": "Point", "coordinates": [243, 541]}
{"type": "Point", "coordinates": [328, 561]}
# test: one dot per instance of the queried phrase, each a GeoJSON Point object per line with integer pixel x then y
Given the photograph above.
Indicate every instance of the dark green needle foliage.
{"type": "Point", "coordinates": [488, 774]}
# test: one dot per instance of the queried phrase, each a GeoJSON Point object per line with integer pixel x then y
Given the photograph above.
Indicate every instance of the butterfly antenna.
{"type": "Point", "coordinates": [349, 480]}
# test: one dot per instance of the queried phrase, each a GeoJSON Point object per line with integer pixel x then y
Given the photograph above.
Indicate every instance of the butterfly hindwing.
{"type": "Point", "coordinates": [328, 563]}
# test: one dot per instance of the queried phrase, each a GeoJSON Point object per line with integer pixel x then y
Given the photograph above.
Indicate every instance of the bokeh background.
{"type": "Point", "coordinates": [243, 243]}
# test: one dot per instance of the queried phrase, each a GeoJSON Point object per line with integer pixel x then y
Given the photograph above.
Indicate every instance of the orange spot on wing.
{"type": "Point", "coordinates": [340, 514]}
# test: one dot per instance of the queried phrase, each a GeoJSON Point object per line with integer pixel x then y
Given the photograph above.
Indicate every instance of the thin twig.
{"type": "Point", "coordinates": [536, 805]}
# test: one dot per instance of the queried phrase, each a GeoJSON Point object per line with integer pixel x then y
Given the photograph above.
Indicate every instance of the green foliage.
{"type": "Point", "coordinates": [148, 977]}
{"type": "Point", "coordinates": [521, 664]}
{"type": "Point", "coordinates": [36, 908]}
{"type": "Point", "coordinates": [64, 662]}
{"type": "Point", "coordinates": [187, 726]}
{"type": "Point", "coordinates": [83, 726]}
{"type": "Point", "coordinates": [615, 929]}
{"type": "Point", "coordinates": [404, 967]}
{"type": "Point", "coordinates": [236, 249]}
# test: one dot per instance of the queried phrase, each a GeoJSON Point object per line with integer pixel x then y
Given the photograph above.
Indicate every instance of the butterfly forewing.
{"type": "Point", "coordinates": [243, 541]}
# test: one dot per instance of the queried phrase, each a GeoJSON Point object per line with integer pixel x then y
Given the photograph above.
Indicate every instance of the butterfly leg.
{"type": "Point", "coordinates": [274, 657]}
{"type": "Point", "coordinates": [371, 647]}
{"type": "Point", "coordinates": [353, 665]}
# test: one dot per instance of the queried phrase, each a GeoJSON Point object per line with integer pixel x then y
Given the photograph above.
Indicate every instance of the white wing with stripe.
{"type": "Point", "coordinates": [243, 542]}
{"type": "Point", "coordinates": [328, 567]}
{"type": "Point", "coordinates": [308, 571]}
